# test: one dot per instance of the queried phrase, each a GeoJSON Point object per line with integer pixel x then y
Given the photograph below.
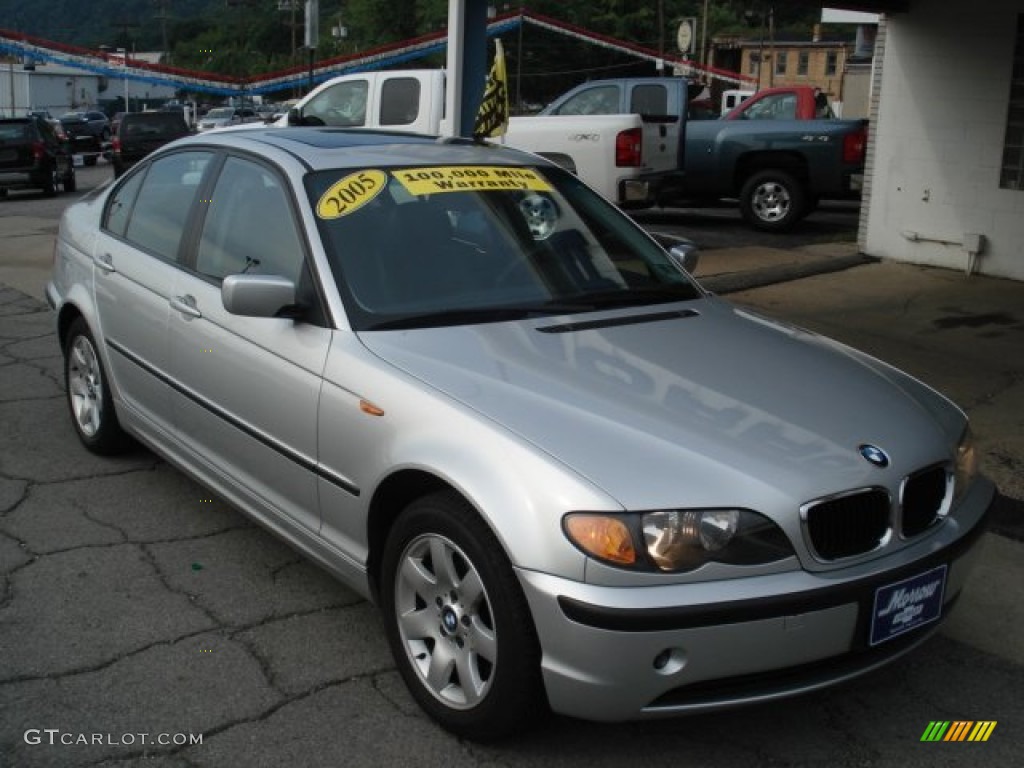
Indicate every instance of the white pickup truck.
{"type": "Point", "coordinates": [625, 157]}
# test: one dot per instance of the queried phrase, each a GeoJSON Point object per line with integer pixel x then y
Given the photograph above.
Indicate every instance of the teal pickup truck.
{"type": "Point", "coordinates": [777, 169]}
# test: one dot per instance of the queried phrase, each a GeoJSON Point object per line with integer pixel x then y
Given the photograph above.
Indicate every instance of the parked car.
{"type": "Point", "coordinates": [139, 133]}
{"type": "Point", "coordinates": [478, 393]}
{"type": "Point", "coordinates": [223, 117]}
{"type": "Point", "coordinates": [115, 121]}
{"type": "Point", "coordinates": [34, 154]}
{"type": "Point", "coordinates": [88, 132]}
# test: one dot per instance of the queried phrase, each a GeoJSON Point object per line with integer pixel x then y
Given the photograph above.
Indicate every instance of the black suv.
{"type": "Point", "coordinates": [139, 133]}
{"type": "Point", "coordinates": [89, 132]}
{"type": "Point", "coordinates": [34, 154]}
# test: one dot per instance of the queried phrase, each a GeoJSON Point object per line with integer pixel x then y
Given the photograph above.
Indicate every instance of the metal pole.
{"type": "Point", "coordinates": [661, 29]}
{"type": "Point", "coordinates": [704, 36]}
{"type": "Point", "coordinates": [519, 62]}
{"type": "Point", "coordinates": [124, 68]}
{"type": "Point", "coordinates": [10, 65]}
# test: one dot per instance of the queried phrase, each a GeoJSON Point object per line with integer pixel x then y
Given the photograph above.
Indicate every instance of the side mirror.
{"type": "Point", "coordinates": [683, 252]}
{"type": "Point", "coordinates": [686, 256]}
{"type": "Point", "coordinates": [258, 295]}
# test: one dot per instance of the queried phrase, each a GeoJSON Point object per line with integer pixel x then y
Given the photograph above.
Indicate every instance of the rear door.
{"type": "Point", "coordinates": [136, 260]}
{"type": "Point", "coordinates": [660, 106]}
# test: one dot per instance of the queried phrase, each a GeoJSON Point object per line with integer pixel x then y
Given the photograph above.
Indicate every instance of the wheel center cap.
{"type": "Point", "coordinates": [449, 620]}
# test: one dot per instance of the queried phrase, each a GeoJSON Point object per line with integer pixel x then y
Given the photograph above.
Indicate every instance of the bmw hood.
{"type": "Point", "coordinates": [690, 404]}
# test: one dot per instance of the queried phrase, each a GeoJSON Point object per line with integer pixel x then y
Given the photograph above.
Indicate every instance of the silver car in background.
{"type": "Point", "coordinates": [228, 117]}
{"type": "Point", "coordinates": [485, 399]}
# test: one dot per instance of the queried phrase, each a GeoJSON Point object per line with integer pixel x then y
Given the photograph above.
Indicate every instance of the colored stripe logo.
{"type": "Point", "coordinates": [958, 730]}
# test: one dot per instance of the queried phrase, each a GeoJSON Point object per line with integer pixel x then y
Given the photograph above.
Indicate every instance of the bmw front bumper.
{"type": "Point", "coordinates": [614, 653]}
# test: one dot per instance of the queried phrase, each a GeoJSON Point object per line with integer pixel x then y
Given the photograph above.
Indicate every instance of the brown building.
{"type": "Point", "coordinates": [829, 65]}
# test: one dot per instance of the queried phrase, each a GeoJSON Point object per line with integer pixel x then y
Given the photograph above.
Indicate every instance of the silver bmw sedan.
{"type": "Point", "coordinates": [481, 396]}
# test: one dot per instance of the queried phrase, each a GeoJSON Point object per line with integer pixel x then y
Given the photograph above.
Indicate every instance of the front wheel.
{"type": "Point", "coordinates": [772, 201]}
{"type": "Point", "coordinates": [457, 620]}
{"type": "Point", "coordinates": [88, 391]}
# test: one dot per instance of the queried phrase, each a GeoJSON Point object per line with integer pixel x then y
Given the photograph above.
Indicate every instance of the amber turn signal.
{"type": "Point", "coordinates": [601, 536]}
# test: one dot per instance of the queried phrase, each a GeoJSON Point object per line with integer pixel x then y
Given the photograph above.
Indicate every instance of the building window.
{"type": "Point", "coordinates": [831, 63]}
{"type": "Point", "coordinates": [803, 63]}
{"type": "Point", "coordinates": [1011, 174]}
{"type": "Point", "coordinates": [753, 67]}
{"type": "Point", "coordinates": [780, 63]}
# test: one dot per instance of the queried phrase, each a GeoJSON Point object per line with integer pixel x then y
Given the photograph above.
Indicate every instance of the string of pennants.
{"type": "Point", "coordinates": [30, 48]}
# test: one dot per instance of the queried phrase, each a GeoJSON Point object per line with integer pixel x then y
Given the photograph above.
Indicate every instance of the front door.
{"type": "Point", "coordinates": [249, 387]}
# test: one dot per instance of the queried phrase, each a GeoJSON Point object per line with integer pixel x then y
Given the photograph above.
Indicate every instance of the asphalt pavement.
{"type": "Point", "coordinates": [143, 622]}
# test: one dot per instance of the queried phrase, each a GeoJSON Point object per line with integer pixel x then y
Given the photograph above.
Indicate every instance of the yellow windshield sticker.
{"type": "Point", "coordinates": [467, 178]}
{"type": "Point", "coordinates": [350, 194]}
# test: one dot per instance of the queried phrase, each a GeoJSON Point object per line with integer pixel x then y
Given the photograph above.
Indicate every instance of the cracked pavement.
{"type": "Point", "coordinates": [134, 602]}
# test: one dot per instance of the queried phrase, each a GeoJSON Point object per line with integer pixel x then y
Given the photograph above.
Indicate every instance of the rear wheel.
{"type": "Point", "coordinates": [70, 183]}
{"type": "Point", "coordinates": [88, 392]}
{"type": "Point", "coordinates": [51, 182]}
{"type": "Point", "coordinates": [91, 159]}
{"type": "Point", "coordinates": [772, 201]}
{"type": "Point", "coordinates": [457, 620]}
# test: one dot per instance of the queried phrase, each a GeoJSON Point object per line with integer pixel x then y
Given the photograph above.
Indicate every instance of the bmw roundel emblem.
{"type": "Point", "coordinates": [874, 454]}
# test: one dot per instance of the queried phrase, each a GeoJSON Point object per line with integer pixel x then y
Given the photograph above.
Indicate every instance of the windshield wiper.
{"type": "Point", "coordinates": [632, 297]}
{"type": "Point", "coordinates": [473, 315]}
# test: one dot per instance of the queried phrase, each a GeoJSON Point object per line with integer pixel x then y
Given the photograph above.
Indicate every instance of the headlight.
{"type": "Point", "coordinates": [678, 539]}
{"type": "Point", "coordinates": [966, 463]}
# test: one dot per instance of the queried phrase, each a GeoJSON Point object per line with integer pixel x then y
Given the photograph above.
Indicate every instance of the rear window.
{"type": "Point", "coordinates": [15, 131]}
{"type": "Point", "coordinates": [153, 124]}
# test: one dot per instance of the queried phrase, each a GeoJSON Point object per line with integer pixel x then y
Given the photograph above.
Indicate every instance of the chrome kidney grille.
{"type": "Point", "coordinates": [923, 499]}
{"type": "Point", "coordinates": [848, 524]}
{"type": "Point", "coordinates": [858, 522]}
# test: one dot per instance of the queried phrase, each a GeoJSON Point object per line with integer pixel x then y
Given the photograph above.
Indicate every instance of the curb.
{"type": "Point", "coordinates": [783, 273]}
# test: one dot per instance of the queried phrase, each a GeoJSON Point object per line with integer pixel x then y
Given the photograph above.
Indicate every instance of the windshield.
{"type": "Point", "coordinates": [220, 112]}
{"type": "Point", "coordinates": [428, 246]}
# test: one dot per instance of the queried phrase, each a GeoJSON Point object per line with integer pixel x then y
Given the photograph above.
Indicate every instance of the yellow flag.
{"type": "Point", "coordinates": [492, 118]}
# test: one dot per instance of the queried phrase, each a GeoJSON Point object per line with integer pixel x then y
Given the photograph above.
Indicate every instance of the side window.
{"type": "Point", "coordinates": [778, 107]}
{"type": "Point", "coordinates": [400, 101]}
{"type": "Point", "coordinates": [343, 106]}
{"type": "Point", "coordinates": [648, 100]}
{"type": "Point", "coordinates": [115, 218]}
{"type": "Point", "coordinates": [157, 221]}
{"type": "Point", "coordinates": [249, 226]}
{"type": "Point", "coordinates": [600, 100]}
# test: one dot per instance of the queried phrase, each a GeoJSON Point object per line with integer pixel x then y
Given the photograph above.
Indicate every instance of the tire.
{"type": "Point", "coordinates": [70, 183]}
{"type": "Point", "coordinates": [772, 201]}
{"type": "Point", "coordinates": [51, 183]}
{"type": "Point", "coordinates": [91, 159]}
{"type": "Point", "coordinates": [88, 392]}
{"type": "Point", "coordinates": [461, 634]}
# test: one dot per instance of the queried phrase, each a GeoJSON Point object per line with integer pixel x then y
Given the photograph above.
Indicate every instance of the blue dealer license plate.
{"type": "Point", "coordinates": [907, 604]}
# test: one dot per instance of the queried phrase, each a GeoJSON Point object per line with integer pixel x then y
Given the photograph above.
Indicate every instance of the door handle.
{"type": "Point", "coordinates": [105, 262]}
{"type": "Point", "coordinates": [186, 305]}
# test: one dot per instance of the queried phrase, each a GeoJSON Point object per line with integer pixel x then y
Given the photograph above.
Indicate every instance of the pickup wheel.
{"type": "Point", "coordinates": [772, 201]}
